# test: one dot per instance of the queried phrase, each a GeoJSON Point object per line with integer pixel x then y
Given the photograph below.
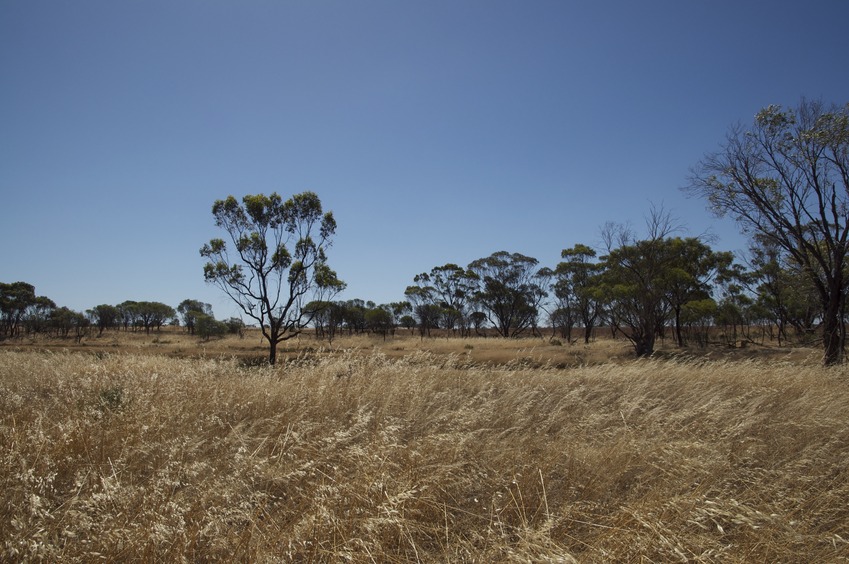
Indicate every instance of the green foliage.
{"type": "Point", "coordinates": [634, 283]}
{"type": "Point", "coordinates": [190, 309]}
{"type": "Point", "coordinates": [575, 291]}
{"type": "Point", "coordinates": [426, 312]}
{"type": "Point", "coordinates": [145, 315]}
{"type": "Point", "coordinates": [510, 292]}
{"type": "Point", "coordinates": [691, 275]}
{"type": "Point", "coordinates": [235, 326]}
{"type": "Point", "coordinates": [37, 316]}
{"type": "Point", "coordinates": [279, 264]}
{"type": "Point", "coordinates": [785, 180]}
{"type": "Point", "coordinates": [104, 316]}
{"type": "Point", "coordinates": [207, 326]}
{"type": "Point", "coordinates": [407, 322]}
{"type": "Point", "coordinates": [379, 320]}
{"type": "Point", "coordinates": [450, 288]}
{"type": "Point", "coordinates": [15, 298]}
{"type": "Point", "coordinates": [699, 311]}
{"type": "Point", "coordinates": [66, 322]}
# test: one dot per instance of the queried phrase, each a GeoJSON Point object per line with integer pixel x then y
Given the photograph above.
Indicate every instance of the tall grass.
{"type": "Point", "coordinates": [420, 458]}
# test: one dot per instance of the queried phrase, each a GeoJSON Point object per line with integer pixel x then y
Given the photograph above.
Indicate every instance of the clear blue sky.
{"type": "Point", "coordinates": [436, 131]}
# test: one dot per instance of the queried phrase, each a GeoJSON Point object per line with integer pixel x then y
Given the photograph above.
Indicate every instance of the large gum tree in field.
{"type": "Point", "coordinates": [510, 290]}
{"type": "Point", "coordinates": [274, 263]}
{"type": "Point", "coordinates": [786, 180]}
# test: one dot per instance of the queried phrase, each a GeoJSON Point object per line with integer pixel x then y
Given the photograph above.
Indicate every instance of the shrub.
{"type": "Point", "coordinates": [207, 326]}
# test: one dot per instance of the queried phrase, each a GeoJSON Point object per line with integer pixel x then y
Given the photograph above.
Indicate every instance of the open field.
{"type": "Point", "coordinates": [443, 450]}
{"type": "Point", "coordinates": [251, 349]}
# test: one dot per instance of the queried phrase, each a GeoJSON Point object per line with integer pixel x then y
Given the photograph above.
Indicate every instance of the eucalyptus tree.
{"type": "Point", "coordinates": [37, 315]}
{"type": "Point", "coordinates": [699, 316]}
{"type": "Point", "coordinates": [510, 292]}
{"type": "Point", "coordinates": [379, 320]}
{"type": "Point", "coordinates": [395, 313]}
{"type": "Point", "coordinates": [782, 289]}
{"type": "Point", "coordinates": [426, 312]}
{"type": "Point", "coordinates": [399, 310]}
{"type": "Point", "coordinates": [691, 275]}
{"type": "Point", "coordinates": [153, 315]}
{"type": "Point", "coordinates": [575, 288]}
{"type": "Point", "coordinates": [128, 314]}
{"type": "Point", "coordinates": [634, 286]}
{"type": "Point", "coordinates": [769, 275]}
{"type": "Point", "coordinates": [15, 298]}
{"type": "Point", "coordinates": [737, 308]}
{"type": "Point", "coordinates": [451, 288]}
{"type": "Point", "coordinates": [275, 262]}
{"type": "Point", "coordinates": [407, 321]}
{"type": "Point", "coordinates": [563, 318]}
{"type": "Point", "coordinates": [328, 317]}
{"type": "Point", "coordinates": [104, 316]}
{"type": "Point", "coordinates": [64, 320]}
{"type": "Point", "coordinates": [207, 326]}
{"type": "Point", "coordinates": [354, 315]}
{"type": "Point", "coordinates": [787, 179]}
{"type": "Point", "coordinates": [635, 280]}
{"type": "Point", "coordinates": [190, 310]}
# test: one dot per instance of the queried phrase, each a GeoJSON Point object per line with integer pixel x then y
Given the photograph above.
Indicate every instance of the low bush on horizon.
{"type": "Point", "coordinates": [423, 457]}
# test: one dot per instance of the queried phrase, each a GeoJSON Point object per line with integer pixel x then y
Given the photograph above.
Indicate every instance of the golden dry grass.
{"type": "Point", "coordinates": [421, 456]}
{"type": "Point", "coordinates": [493, 351]}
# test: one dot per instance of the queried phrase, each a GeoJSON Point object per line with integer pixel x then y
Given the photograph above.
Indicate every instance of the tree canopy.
{"type": "Point", "coordinates": [786, 179]}
{"type": "Point", "coordinates": [510, 291]}
{"type": "Point", "coordinates": [275, 261]}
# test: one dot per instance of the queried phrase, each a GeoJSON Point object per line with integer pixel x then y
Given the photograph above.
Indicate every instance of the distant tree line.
{"type": "Point", "coordinates": [785, 180]}
{"type": "Point", "coordinates": [22, 312]}
{"type": "Point", "coordinates": [659, 286]}
{"type": "Point", "coordinates": [644, 289]}
{"type": "Point", "coordinates": [355, 317]}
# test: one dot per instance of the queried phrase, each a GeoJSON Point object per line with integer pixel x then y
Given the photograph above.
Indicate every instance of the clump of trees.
{"type": "Point", "coordinates": [145, 315]}
{"type": "Point", "coordinates": [442, 298]}
{"type": "Point", "coordinates": [22, 312]}
{"type": "Point", "coordinates": [355, 317]}
{"type": "Point", "coordinates": [785, 180]}
{"type": "Point", "coordinates": [191, 311]}
{"type": "Point", "coordinates": [576, 298]}
{"type": "Point", "coordinates": [640, 289]}
{"type": "Point", "coordinates": [651, 284]}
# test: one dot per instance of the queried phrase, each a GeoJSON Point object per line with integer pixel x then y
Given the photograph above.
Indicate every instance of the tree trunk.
{"type": "Point", "coordinates": [272, 352]}
{"type": "Point", "coordinates": [644, 346]}
{"type": "Point", "coordinates": [273, 336]}
{"type": "Point", "coordinates": [645, 337]}
{"type": "Point", "coordinates": [832, 335]}
{"type": "Point", "coordinates": [678, 335]}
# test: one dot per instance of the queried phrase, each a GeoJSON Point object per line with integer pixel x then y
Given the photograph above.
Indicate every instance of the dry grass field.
{"type": "Point", "coordinates": [478, 450]}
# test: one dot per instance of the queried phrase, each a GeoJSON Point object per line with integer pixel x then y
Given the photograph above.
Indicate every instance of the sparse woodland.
{"type": "Point", "coordinates": [656, 400]}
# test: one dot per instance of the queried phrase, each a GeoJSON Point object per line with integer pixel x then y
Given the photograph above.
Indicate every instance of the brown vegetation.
{"type": "Point", "coordinates": [402, 454]}
{"type": "Point", "coordinates": [251, 348]}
